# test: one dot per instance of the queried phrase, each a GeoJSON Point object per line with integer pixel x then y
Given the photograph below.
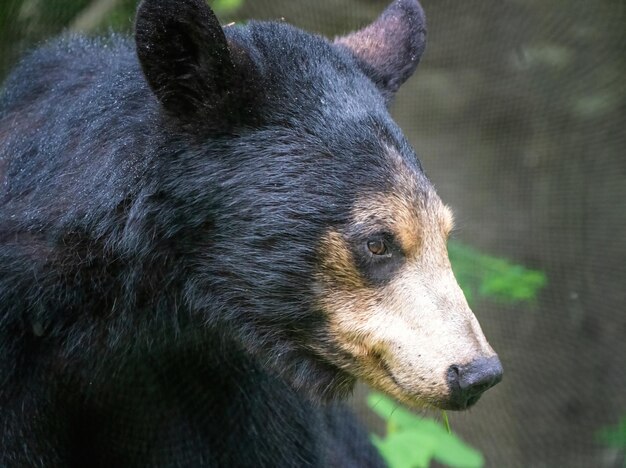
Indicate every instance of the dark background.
{"type": "Point", "coordinates": [517, 112]}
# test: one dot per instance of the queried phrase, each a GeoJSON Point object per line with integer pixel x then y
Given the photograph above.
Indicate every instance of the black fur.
{"type": "Point", "coordinates": [158, 241]}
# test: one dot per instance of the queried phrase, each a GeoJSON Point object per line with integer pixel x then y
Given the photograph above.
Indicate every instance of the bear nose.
{"type": "Point", "coordinates": [468, 382]}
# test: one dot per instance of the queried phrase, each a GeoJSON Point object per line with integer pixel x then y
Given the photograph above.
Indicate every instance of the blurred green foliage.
{"type": "Point", "coordinates": [614, 437]}
{"type": "Point", "coordinates": [25, 23]}
{"type": "Point", "coordinates": [486, 276]}
{"type": "Point", "coordinates": [413, 442]}
{"type": "Point", "coordinates": [226, 6]}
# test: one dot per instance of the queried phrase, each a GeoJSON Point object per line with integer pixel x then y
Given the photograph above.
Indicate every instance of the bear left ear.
{"type": "Point", "coordinates": [390, 48]}
{"type": "Point", "coordinates": [197, 75]}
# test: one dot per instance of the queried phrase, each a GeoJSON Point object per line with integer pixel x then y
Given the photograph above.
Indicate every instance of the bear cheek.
{"type": "Point", "coordinates": [374, 340]}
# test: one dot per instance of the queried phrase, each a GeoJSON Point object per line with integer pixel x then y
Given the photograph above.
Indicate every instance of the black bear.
{"type": "Point", "coordinates": [207, 235]}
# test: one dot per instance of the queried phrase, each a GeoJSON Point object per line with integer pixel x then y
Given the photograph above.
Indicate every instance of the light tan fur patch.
{"type": "Point", "coordinates": [337, 262]}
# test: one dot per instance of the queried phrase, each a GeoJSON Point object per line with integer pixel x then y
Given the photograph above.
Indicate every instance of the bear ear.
{"type": "Point", "coordinates": [390, 48]}
{"type": "Point", "coordinates": [192, 69]}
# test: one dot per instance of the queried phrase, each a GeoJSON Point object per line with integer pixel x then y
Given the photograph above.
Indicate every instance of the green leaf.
{"type": "Point", "coordinates": [453, 451]}
{"type": "Point", "coordinates": [413, 441]}
{"type": "Point", "coordinates": [484, 275]}
{"type": "Point", "coordinates": [226, 6]}
{"type": "Point", "coordinates": [398, 417]}
{"type": "Point", "coordinates": [408, 449]}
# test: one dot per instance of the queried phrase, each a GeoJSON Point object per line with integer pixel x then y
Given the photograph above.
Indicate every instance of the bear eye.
{"type": "Point", "coordinates": [377, 246]}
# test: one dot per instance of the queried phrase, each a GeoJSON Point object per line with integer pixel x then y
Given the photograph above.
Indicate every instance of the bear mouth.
{"type": "Point", "coordinates": [371, 366]}
{"type": "Point", "coordinates": [413, 399]}
{"type": "Point", "coordinates": [409, 397]}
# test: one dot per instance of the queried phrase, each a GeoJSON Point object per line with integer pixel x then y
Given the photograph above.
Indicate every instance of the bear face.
{"type": "Point", "coordinates": [320, 244]}
{"type": "Point", "coordinates": [398, 318]}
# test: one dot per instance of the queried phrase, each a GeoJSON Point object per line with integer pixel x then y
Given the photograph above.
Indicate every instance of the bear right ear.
{"type": "Point", "coordinates": [192, 69]}
{"type": "Point", "coordinates": [390, 48]}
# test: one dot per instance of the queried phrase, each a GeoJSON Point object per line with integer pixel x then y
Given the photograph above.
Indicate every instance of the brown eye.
{"type": "Point", "coordinates": [377, 247]}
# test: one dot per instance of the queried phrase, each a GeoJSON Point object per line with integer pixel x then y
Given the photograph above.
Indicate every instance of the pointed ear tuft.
{"type": "Point", "coordinates": [189, 64]}
{"type": "Point", "coordinates": [390, 48]}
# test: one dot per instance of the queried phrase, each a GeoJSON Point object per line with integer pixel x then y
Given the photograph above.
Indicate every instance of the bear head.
{"type": "Point", "coordinates": [319, 244]}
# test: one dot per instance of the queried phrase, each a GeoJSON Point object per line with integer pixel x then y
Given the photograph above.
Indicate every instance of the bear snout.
{"type": "Point", "coordinates": [467, 383]}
